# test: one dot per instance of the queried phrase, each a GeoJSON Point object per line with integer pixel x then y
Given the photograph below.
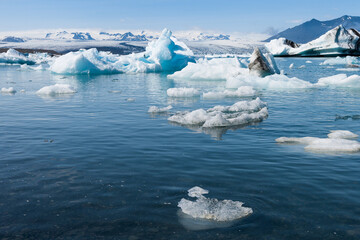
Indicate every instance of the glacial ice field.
{"type": "Point", "coordinates": [210, 151]}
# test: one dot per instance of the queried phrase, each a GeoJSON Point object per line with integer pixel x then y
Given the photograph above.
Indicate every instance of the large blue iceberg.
{"type": "Point", "coordinates": [166, 54]}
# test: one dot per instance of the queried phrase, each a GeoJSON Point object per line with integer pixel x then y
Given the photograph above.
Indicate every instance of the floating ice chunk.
{"type": "Point", "coordinates": [213, 69]}
{"type": "Point", "coordinates": [308, 61]}
{"type": "Point", "coordinates": [240, 113]}
{"type": "Point", "coordinates": [302, 66]}
{"type": "Point", "coordinates": [349, 60]}
{"type": "Point", "coordinates": [56, 89]}
{"type": "Point", "coordinates": [279, 46]}
{"type": "Point", "coordinates": [275, 81]}
{"type": "Point", "coordinates": [197, 192]}
{"type": "Point", "coordinates": [340, 80]}
{"type": "Point", "coordinates": [10, 90]}
{"type": "Point", "coordinates": [84, 62]}
{"type": "Point", "coordinates": [182, 92]}
{"type": "Point", "coordinates": [154, 109]}
{"type": "Point", "coordinates": [343, 134]}
{"type": "Point", "coordinates": [337, 142]}
{"type": "Point", "coordinates": [291, 66]}
{"type": "Point", "coordinates": [244, 91]}
{"type": "Point", "coordinates": [130, 100]}
{"type": "Point", "coordinates": [262, 64]}
{"type": "Point", "coordinates": [211, 208]}
{"type": "Point", "coordinates": [12, 56]}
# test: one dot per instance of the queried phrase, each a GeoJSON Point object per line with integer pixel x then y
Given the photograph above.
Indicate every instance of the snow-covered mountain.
{"type": "Point", "coordinates": [128, 36]}
{"type": "Point", "coordinates": [64, 35]}
{"type": "Point", "coordinates": [314, 28]}
{"type": "Point", "coordinates": [12, 39]}
{"type": "Point", "coordinates": [336, 42]}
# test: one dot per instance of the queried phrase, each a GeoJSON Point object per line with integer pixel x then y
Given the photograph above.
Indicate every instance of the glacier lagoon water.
{"type": "Point", "coordinates": [95, 165]}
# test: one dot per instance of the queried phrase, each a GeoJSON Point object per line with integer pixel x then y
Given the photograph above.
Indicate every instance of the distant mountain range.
{"type": "Point", "coordinates": [314, 28]}
{"type": "Point", "coordinates": [69, 36]}
{"type": "Point", "coordinates": [128, 36]}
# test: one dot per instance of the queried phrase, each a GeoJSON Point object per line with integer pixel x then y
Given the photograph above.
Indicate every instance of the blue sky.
{"type": "Point", "coordinates": [224, 15]}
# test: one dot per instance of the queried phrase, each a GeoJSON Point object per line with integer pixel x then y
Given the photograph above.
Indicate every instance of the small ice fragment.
{"type": "Point", "coordinates": [291, 66]}
{"type": "Point", "coordinates": [57, 89]}
{"type": "Point", "coordinates": [10, 90]}
{"type": "Point", "coordinates": [154, 109]}
{"type": "Point", "coordinates": [182, 92]}
{"type": "Point", "coordinates": [130, 99]}
{"type": "Point", "coordinates": [343, 134]}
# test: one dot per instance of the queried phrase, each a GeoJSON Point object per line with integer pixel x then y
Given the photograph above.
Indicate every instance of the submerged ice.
{"type": "Point", "coordinates": [212, 208]}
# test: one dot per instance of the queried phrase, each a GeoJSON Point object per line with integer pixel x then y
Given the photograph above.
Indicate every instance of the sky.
{"type": "Point", "coordinates": [258, 16]}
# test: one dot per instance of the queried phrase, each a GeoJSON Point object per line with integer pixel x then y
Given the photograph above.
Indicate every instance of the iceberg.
{"type": "Point", "coordinates": [240, 113]}
{"type": "Point", "coordinates": [340, 80]}
{"type": "Point", "coordinates": [337, 141]}
{"type": "Point", "coordinates": [262, 64]}
{"type": "Point", "coordinates": [244, 91]}
{"type": "Point", "coordinates": [166, 54]}
{"type": "Point", "coordinates": [182, 92]}
{"type": "Point", "coordinates": [336, 42]}
{"type": "Point", "coordinates": [57, 89]}
{"type": "Point", "coordinates": [211, 69]}
{"type": "Point", "coordinates": [14, 57]}
{"type": "Point", "coordinates": [155, 109]}
{"type": "Point", "coordinates": [9, 90]}
{"type": "Point", "coordinates": [212, 208]}
{"type": "Point", "coordinates": [348, 60]}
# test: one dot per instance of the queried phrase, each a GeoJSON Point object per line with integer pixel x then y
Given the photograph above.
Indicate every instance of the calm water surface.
{"type": "Point", "coordinates": [95, 166]}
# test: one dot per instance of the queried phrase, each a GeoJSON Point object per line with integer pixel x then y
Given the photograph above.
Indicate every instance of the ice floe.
{"type": "Point", "coordinates": [337, 141]}
{"type": "Point", "coordinates": [211, 69]}
{"type": "Point", "coordinates": [165, 54]}
{"type": "Point", "coordinates": [155, 109]}
{"type": "Point", "coordinates": [9, 90]}
{"type": "Point", "coordinates": [348, 60]}
{"type": "Point", "coordinates": [212, 208]}
{"type": "Point", "coordinates": [244, 91]}
{"type": "Point", "coordinates": [340, 80]}
{"type": "Point", "coordinates": [182, 92]}
{"type": "Point", "coordinates": [240, 113]}
{"type": "Point", "coordinates": [57, 89]}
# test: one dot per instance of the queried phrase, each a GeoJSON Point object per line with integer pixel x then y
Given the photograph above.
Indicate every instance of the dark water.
{"type": "Point", "coordinates": [95, 166]}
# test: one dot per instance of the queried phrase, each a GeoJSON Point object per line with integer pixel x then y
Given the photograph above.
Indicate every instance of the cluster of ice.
{"type": "Point", "coordinates": [155, 109]}
{"type": "Point", "coordinates": [12, 56]}
{"type": "Point", "coordinates": [240, 113]}
{"type": "Point", "coordinates": [56, 89]}
{"type": "Point", "coordinates": [10, 90]}
{"type": "Point", "coordinates": [349, 60]}
{"type": "Point", "coordinates": [211, 69]}
{"type": "Point", "coordinates": [166, 54]}
{"type": "Point", "coordinates": [337, 141]}
{"type": "Point", "coordinates": [340, 80]}
{"type": "Point", "coordinates": [212, 208]}
{"type": "Point", "coordinates": [337, 41]}
{"type": "Point", "coordinates": [245, 91]}
{"type": "Point", "coordinates": [183, 92]}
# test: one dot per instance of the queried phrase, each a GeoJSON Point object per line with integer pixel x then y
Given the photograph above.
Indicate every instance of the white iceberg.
{"type": "Point", "coordinates": [57, 89]}
{"type": "Point", "coordinates": [244, 91]}
{"type": "Point", "coordinates": [211, 69]}
{"type": "Point", "coordinates": [337, 141]}
{"type": "Point", "coordinates": [348, 60]}
{"type": "Point", "coordinates": [182, 92]}
{"type": "Point", "coordinates": [240, 113]}
{"type": "Point", "coordinates": [155, 109]}
{"type": "Point", "coordinates": [340, 80]}
{"type": "Point", "coordinates": [12, 56]}
{"type": "Point", "coordinates": [212, 208]}
{"type": "Point", "coordinates": [9, 90]}
{"type": "Point", "coordinates": [166, 54]}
